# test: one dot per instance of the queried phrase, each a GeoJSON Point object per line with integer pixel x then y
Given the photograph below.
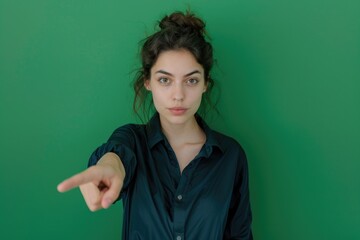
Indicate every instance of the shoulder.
{"type": "Point", "coordinates": [231, 150]}
{"type": "Point", "coordinates": [233, 155]}
{"type": "Point", "coordinates": [224, 142]}
{"type": "Point", "coordinates": [127, 131]}
{"type": "Point", "coordinates": [228, 143]}
{"type": "Point", "coordinates": [130, 127]}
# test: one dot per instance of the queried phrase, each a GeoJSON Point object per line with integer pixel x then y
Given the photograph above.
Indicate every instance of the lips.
{"type": "Point", "coordinates": [177, 111]}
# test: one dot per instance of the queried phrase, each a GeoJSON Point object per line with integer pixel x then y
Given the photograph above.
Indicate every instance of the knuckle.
{"type": "Point", "coordinates": [92, 170]}
{"type": "Point", "coordinates": [93, 208]}
{"type": "Point", "coordinates": [94, 202]}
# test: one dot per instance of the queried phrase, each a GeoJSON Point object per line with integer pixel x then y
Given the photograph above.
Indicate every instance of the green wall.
{"type": "Point", "coordinates": [289, 73]}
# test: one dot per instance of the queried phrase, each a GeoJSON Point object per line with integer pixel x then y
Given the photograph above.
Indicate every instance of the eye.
{"type": "Point", "coordinates": [164, 81]}
{"type": "Point", "coordinates": [192, 81]}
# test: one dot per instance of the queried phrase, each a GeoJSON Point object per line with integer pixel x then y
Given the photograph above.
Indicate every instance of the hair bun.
{"type": "Point", "coordinates": [187, 21]}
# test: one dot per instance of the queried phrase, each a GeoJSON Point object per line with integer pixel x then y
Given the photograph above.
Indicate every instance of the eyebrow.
{"type": "Point", "coordinates": [186, 75]}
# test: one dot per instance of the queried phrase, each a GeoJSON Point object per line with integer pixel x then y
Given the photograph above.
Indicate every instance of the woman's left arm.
{"type": "Point", "coordinates": [240, 217]}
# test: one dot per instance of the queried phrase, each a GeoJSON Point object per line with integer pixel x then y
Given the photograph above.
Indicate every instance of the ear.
{"type": "Point", "coordinates": [205, 88]}
{"type": "Point", "coordinates": [147, 85]}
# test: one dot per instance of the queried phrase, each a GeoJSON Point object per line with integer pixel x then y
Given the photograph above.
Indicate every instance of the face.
{"type": "Point", "coordinates": [177, 83]}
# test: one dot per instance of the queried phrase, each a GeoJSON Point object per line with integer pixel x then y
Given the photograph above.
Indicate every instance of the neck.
{"type": "Point", "coordinates": [188, 132]}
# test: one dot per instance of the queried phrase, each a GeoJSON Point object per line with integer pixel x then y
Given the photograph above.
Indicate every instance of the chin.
{"type": "Point", "coordinates": [177, 119]}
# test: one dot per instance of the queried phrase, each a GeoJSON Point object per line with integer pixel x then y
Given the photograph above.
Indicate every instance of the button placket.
{"type": "Point", "coordinates": [179, 210]}
{"type": "Point", "coordinates": [179, 236]}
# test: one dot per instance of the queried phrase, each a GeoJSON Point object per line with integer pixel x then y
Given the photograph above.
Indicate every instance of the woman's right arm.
{"type": "Point", "coordinates": [100, 184]}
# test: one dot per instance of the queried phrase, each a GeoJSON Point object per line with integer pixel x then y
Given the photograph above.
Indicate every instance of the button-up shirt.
{"type": "Point", "coordinates": [208, 200]}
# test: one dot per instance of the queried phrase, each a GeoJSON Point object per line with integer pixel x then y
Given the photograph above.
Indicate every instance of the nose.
{"type": "Point", "coordinates": [178, 92]}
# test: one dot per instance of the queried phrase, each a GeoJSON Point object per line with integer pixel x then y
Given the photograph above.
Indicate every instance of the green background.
{"type": "Point", "coordinates": [288, 72]}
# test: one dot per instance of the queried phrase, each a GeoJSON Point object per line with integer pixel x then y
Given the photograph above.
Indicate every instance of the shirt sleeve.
{"type": "Point", "coordinates": [121, 142]}
{"type": "Point", "coordinates": [240, 217]}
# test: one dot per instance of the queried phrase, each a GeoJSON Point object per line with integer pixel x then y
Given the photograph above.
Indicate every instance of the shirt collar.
{"type": "Point", "coordinates": [155, 134]}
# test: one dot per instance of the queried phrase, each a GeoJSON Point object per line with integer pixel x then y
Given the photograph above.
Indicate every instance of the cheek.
{"type": "Point", "coordinates": [197, 95]}
{"type": "Point", "coordinates": [159, 98]}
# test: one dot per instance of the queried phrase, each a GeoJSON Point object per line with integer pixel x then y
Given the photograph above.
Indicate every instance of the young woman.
{"type": "Point", "coordinates": [178, 178]}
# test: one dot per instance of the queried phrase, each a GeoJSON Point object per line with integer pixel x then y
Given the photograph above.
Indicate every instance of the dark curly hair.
{"type": "Point", "coordinates": [177, 31]}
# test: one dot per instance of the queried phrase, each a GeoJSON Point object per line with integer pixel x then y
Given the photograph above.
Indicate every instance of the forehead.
{"type": "Point", "coordinates": [176, 61]}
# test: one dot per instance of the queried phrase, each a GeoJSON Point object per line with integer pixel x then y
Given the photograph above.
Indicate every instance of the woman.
{"type": "Point", "coordinates": [178, 179]}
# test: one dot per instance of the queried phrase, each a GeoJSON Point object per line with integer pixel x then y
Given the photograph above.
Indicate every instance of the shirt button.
{"type": "Point", "coordinates": [178, 238]}
{"type": "Point", "coordinates": [179, 197]}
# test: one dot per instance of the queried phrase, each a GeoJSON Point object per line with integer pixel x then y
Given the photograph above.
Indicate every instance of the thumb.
{"type": "Point", "coordinates": [111, 194]}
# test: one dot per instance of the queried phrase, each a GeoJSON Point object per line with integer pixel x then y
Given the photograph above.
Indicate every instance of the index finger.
{"type": "Point", "coordinates": [77, 180]}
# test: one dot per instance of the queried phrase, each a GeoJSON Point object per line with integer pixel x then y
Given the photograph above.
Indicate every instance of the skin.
{"type": "Point", "coordinates": [101, 184]}
{"type": "Point", "coordinates": [177, 83]}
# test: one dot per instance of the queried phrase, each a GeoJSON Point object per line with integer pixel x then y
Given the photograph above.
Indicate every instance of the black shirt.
{"type": "Point", "coordinates": [208, 200]}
